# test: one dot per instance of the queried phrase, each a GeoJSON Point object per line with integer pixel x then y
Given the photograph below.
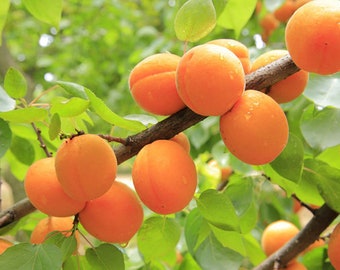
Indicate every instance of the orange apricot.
{"type": "Point", "coordinates": [4, 244]}
{"type": "Point", "coordinates": [164, 176]}
{"type": "Point", "coordinates": [115, 216]}
{"type": "Point", "coordinates": [276, 234]}
{"type": "Point", "coordinates": [86, 166]}
{"type": "Point", "coordinates": [285, 11]}
{"type": "Point", "coordinates": [153, 84]}
{"type": "Point", "coordinates": [334, 247]}
{"type": "Point", "coordinates": [287, 89]}
{"type": "Point", "coordinates": [45, 192]}
{"type": "Point", "coordinates": [255, 130]}
{"type": "Point", "coordinates": [238, 48]}
{"type": "Point", "coordinates": [182, 140]}
{"type": "Point", "coordinates": [313, 37]}
{"type": "Point", "coordinates": [210, 79]}
{"type": "Point", "coordinates": [268, 23]}
{"type": "Point", "coordinates": [51, 224]}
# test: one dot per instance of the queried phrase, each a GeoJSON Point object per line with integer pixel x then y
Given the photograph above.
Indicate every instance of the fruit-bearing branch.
{"type": "Point", "coordinates": [180, 121]}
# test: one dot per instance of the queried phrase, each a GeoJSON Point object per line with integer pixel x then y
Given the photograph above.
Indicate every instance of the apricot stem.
{"type": "Point", "coordinates": [40, 139]}
{"type": "Point", "coordinates": [110, 138]}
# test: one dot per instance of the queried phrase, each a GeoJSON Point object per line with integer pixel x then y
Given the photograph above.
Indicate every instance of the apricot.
{"type": "Point", "coordinates": [313, 37]}
{"type": "Point", "coordinates": [182, 140]}
{"type": "Point", "coordinates": [115, 216]}
{"type": "Point", "coordinates": [153, 84]}
{"type": "Point", "coordinates": [164, 176]}
{"type": "Point", "coordinates": [277, 234]}
{"type": "Point", "coordinates": [51, 224]}
{"type": "Point", "coordinates": [334, 247]}
{"type": "Point", "coordinates": [255, 130]}
{"type": "Point", "coordinates": [4, 244]}
{"type": "Point", "coordinates": [285, 11]}
{"type": "Point", "coordinates": [285, 90]}
{"type": "Point", "coordinates": [210, 79]}
{"type": "Point", "coordinates": [268, 23]}
{"type": "Point", "coordinates": [45, 192]}
{"type": "Point", "coordinates": [86, 166]}
{"type": "Point", "coordinates": [238, 48]}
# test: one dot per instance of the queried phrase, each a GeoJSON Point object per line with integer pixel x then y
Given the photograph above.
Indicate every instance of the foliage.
{"type": "Point", "coordinates": [72, 62]}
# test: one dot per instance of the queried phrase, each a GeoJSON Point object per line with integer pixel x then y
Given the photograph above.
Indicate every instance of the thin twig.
{"type": "Point", "coordinates": [40, 139]}
{"type": "Point", "coordinates": [110, 138]}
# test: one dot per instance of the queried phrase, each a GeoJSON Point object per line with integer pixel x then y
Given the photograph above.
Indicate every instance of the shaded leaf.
{"type": "Point", "coordinates": [4, 7]}
{"type": "Point", "coordinates": [15, 83]}
{"type": "Point", "coordinates": [327, 181]}
{"type": "Point", "coordinates": [156, 230]}
{"type": "Point", "coordinates": [289, 163]}
{"type": "Point", "coordinates": [105, 257]}
{"type": "Point", "coordinates": [54, 127]}
{"type": "Point", "coordinates": [219, 6]}
{"type": "Point", "coordinates": [75, 90]}
{"type": "Point", "coordinates": [194, 20]}
{"type": "Point", "coordinates": [321, 128]}
{"type": "Point", "coordinates": [47, 11]}
{"type": "Point", "coordinates": [67, 245]}
{"type": "Point", "coordinates": [217, 208]}
{"type": "Point", "coordinates": [6, 102]}
{"type": "Point", "coordinates": [26, 256]}
{"type": "Point", "coordinates": [25, 115]}
{"type": "Point", "coordinates": [5, 137]}
{"type": "Point", "coordinates": [23, 150]}
{"type": "Point", "coordinates": [324, 90]}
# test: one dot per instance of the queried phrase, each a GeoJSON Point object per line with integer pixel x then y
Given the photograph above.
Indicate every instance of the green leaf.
{"type": "Point", "coordinates": [76, 262]}
{"type": "Point", "coordinates": [55, 127]}
{"type": "Point", "coordinates": [67, 245]}
{"type": "Point", "coordinates": [47, 11]}
{"type": "Point", "coordinates": [100, 108]}
{"type": "Point", "coordinates": [219, 6]}
{"type": "Point", "coordinates": [307, 191]}
{"type": "Point", "coordinates": [236, 14]}
{"type": "Point", "coordinates": [105, 256]}
{"type": "Point", "coordinates": [194, 20]}
{"type": "Point", "coordinates": [212, 255]}
{"type": "Point", "coordinates": [289, 163]}
{"type": "Point", "coordinates": [241, 193]}
{"type": "Point", "coordinates": [217, 208]}
{"type": "Point", "coordinates": [326, 179]}
{"type": "Point", "coordinates": [331, 156]}
{"type": "Point", "coordinates": [75, 90]}
{"type": "Point", "coordinates": [321, 128]}
{"type": "Point", "coordinates": [189, 263]}
{"type": "Point", "coordinates": [156, 230]}
{"type": "Point", "coordinates": [5, 137]}
{"type": "Point", "coordinates": [68, 107]}
{"type": "Point", "coordinates": [15, 83]}
{"type": "Point", "coordinates": [6, 102]}
{"type": "Point", "coordinates": [317, 259]}
{"type": "Point", "coordinates": [196, 230]}
{"type": "Point", "coordinates": [23, 150]}
{"type": "Point", "coordinates": [26, 256]}
{"type": "Point", "coordinates": [25, 115]}
{"type": "Point", "coordinates": [324, 90]}
{"type": "Point", "coordinates": [4, 7]}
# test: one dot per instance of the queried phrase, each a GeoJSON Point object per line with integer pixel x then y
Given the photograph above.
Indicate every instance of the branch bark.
{"type": "Point", "coordinates": [186, 118]}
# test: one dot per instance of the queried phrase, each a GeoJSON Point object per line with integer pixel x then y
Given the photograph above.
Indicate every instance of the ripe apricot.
{"type": "Point", "coordinates": [255, 130]}
{"type": "Point", "coordinates": [210, 79]}
{"type": "Point", "coordinates": [238, 48]}
{"type": "Point", "coordinates": [164, 176]}
{"type": "Point", "coordinates": [268, 23]}
{"type": "Point", "coordinates": [285, 11]}
{"type": "Point", "coordinates": [313, 37]}
{"type": "Point", "coordinates": [45, 192]}
{"type": "Point", "coordinates": [287, 89]}
{"type": "Point", "coordinates": [115, 216]}
{"type": "Point", "coordinates": [4, 244]}
{"type": "Point", "coordinates": [86, 166]}
{"type": "Point", "coordinates": [153, 84]}
{"type": "Point", "coordinates": [182, 140]}
{"type": "Point", "coordinates": [276, 234]}
{"type": "Point", "coordinates": [50, 224]}
{"type": "Point", "coordinates": [334, 247]}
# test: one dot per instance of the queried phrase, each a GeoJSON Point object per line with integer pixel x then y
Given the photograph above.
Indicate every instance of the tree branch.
{"type": "Point", "coordinates": [308, 235]}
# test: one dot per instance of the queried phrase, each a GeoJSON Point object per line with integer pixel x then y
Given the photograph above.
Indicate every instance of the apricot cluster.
{"type": "Point", "coordinates": [81, 180]}
{"type": "Point", "coordinates": [210, 80]}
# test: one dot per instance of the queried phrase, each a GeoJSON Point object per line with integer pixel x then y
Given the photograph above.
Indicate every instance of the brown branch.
{"type": "Point", "coordinates": [308, 235]}
{"type": "Point", "coordinates": [171, 126]}
{"type": "Point", "coordinates": [41, 140]}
